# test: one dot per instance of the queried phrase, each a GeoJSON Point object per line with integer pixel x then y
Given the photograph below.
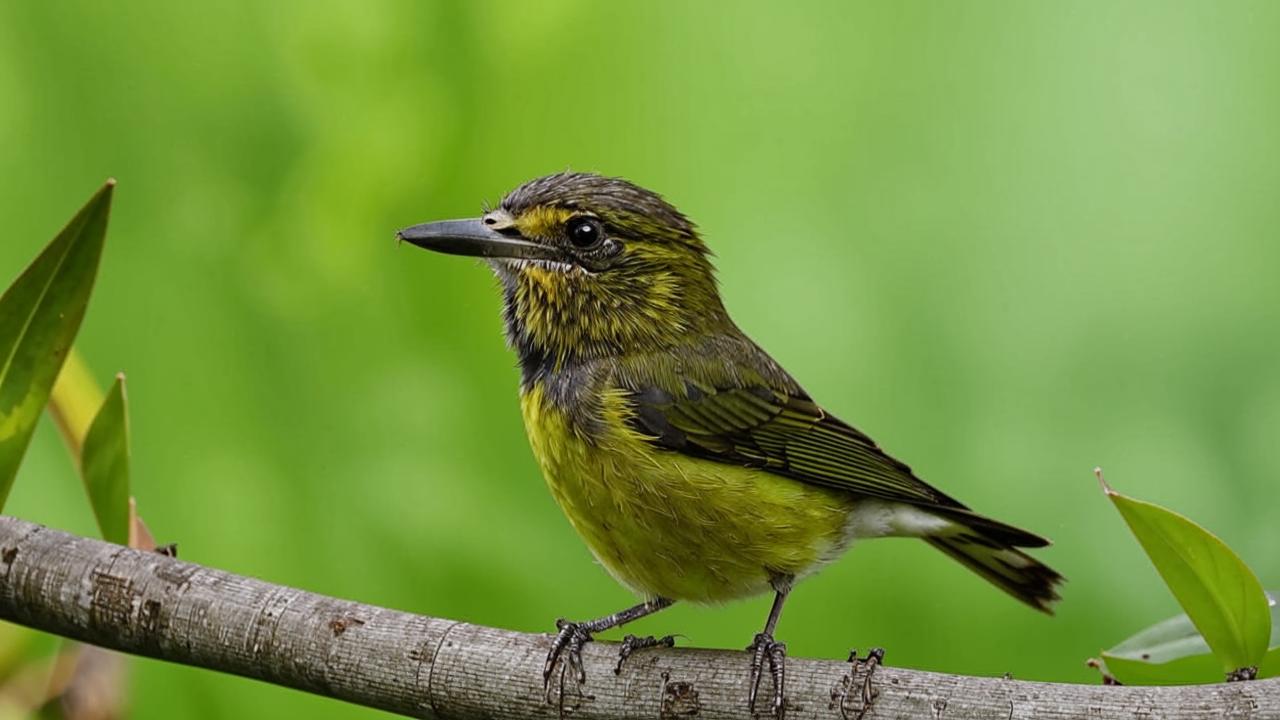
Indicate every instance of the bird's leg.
{"type": "Point", "coordinates": [566, 648]}
{"type": "Point", "coordinates": [764, 647]}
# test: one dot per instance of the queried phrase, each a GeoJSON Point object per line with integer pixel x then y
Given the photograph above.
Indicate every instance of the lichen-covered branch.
{"type": "Point", "coordinates": [149, 604]}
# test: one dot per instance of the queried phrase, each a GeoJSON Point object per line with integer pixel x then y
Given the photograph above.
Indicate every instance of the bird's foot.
{"type": "Point", "coordinates": [566, 646]}
{"type": "Point", "coordinates": [565, 652]}
{"type": "Point", "coordinates": [873, 660]}
{"type": "Point", "coordinates": [631, 643]}
{"type": "Point", "coordinates": [765, 648]}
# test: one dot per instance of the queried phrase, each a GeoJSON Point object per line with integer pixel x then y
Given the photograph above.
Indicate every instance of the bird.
{"type": "Point", "coordinates": [695, 468]}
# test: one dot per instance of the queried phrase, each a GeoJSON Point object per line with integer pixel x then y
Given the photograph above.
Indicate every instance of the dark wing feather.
{"type": "Point", "coordinates": [788, 434]}
{"type": "Point", "coordinates": [784, 433]}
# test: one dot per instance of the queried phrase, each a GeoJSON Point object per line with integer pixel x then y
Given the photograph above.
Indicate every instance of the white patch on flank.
{"type": "Point", "coordinates": [882, 518]}
{"type": "Point", "coordinates": [873, 518]}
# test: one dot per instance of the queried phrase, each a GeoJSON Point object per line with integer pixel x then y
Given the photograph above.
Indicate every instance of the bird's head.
{"type": "Point", "coordinates": [590, 266]}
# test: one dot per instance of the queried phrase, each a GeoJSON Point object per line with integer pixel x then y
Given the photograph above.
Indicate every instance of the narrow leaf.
{"type": "Point", "coordinates": [1219, 593]}
{"type": "Point", "coordinates": [104, 465]}
{"type": "Point", "coordinates": [140, 536]}
{"type": "Point", "coordinates": [39, 316]}
{"type": "Point", "coordinates": [74, 401]}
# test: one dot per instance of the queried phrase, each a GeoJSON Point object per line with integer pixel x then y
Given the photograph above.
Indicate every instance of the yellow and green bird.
{"type": "Point", "coordinates": [694, 467]}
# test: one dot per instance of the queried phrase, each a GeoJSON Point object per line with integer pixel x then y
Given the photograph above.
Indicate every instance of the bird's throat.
{"type": "Point", "coordinates": [556, 318]}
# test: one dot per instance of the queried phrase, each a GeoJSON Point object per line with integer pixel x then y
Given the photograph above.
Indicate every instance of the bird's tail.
{"type": "Point", "coordinates": [990, 549]}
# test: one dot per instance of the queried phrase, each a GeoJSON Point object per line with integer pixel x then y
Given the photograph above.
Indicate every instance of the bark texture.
{"type": "Point", "coordinates": [157, 606]}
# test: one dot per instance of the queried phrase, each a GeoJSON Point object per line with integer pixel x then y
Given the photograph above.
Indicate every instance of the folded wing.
{"type": "Point", "coordinates": [789, 434]}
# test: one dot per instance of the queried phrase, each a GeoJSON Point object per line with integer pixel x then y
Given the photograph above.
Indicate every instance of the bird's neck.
{"type": "Point", "coordinates": [555, 321]}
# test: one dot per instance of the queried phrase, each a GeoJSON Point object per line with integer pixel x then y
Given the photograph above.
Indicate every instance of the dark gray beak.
{"type": "Point", "coordinates": [474, 238]}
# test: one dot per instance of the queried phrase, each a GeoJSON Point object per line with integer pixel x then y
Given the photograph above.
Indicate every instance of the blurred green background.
{"type": "Point", "coordinates": [1010, 240]}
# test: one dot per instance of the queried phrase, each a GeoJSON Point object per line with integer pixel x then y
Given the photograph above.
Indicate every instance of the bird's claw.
{"type": "Point", "coordinates": [566, 651]}
{"type": "Point", "coordinates": [631, 643]}
{"type": "Point", "coordinates": [873, 660]}
{"type": "Point", "coordinates": [763, 648]}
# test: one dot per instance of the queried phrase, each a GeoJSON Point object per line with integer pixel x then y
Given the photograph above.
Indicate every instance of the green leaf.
{"type": "Point", "coordinates": [1270, 665]}
{"type": "Point", "coordinates": [1194, 670]}
{"type": "Point", "coordinates": [104, 465]}
{"type": "Point", "coordinates": [1219, 593]}
{"type": "Point", "coordinates": [1173, 652]}
{"type": "Point", "coordinates": [39, 316]}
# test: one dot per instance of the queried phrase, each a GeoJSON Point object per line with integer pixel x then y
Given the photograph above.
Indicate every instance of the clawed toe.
{"type": "Point", "coordinates": [566, 651]}
{"type": "Point", "coordinates": [763, 648]}
{"type": "Point", "coordinates": [873, 660]}
{"type": "Point", "coordinates": [631, 643]}
{"type": "Point", "coordinates": [566, 646]}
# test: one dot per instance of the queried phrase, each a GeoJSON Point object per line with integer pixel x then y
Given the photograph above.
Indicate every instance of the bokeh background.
{"type": "Point", "coordinates": [1010, 240]}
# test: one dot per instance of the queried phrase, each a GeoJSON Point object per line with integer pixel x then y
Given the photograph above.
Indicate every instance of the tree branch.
{"type": "Point", "coordinates": [150, 604]}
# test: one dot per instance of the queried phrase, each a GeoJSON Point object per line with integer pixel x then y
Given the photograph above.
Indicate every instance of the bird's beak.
{"type": "Point", "coordinates": [474, 238]}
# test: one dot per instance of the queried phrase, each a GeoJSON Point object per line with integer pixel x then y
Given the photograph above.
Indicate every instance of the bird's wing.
{"type": "Point", "coordinates": [781, 432]}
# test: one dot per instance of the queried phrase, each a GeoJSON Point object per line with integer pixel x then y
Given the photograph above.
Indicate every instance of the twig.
{"type": "Point", "coordinates": [150, 604]}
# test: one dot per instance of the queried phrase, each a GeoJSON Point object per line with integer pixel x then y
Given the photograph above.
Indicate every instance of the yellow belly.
{"type": "Point", "coordinates": [666, 524]}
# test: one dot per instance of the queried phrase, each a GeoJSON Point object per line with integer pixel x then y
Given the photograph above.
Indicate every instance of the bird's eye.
{"type": "Point", "coordinates": [585, 232]}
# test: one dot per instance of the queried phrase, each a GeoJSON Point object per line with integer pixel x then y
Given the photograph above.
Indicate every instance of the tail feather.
{"type": "Point", "coordinates": [1002, 564]}
{"type": "Point", "coordinates": [989, 529]}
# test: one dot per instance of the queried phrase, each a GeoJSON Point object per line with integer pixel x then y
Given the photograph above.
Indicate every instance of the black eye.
{"type": "Point", "coordinates": [585, 232]}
